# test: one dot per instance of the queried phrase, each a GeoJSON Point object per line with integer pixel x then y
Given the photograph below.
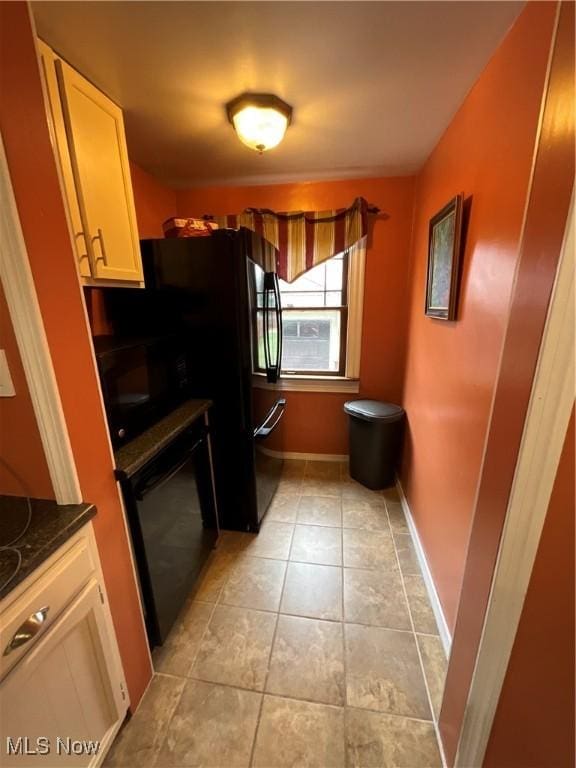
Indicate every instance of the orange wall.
{"type": "Point", "coordinates": [545, 224]}
{"type": "Point", "coordinates": [23, 468]}
{"type": "Point", "coordinates": [153, 201]}
{"type": "Point", "coordinates": [486, 154]}
{"type": "Point", "coordinates": [154, 204]}
{"type": "Point", "coordinates": [315, 422]}
{"type": "Point", "coordinates": [40, 206]}
{"type": "Point", "coordinates": [534, 722]}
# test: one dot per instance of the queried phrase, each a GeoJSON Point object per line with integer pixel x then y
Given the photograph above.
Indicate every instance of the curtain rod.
{"type": "Point", "coordinates": [371, 209]}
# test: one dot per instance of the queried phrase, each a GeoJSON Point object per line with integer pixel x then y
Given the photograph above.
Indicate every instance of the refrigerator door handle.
{"type": "Point", "coordinates": [272, 419]}
{"type": "Point", "coordinates": [266, 328]}
{"type": "Point", "coordinates": [278, 326]}
{"type": "Point", "coordinates": [270, 288]}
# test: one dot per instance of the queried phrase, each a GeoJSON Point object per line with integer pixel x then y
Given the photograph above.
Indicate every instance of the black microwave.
{"type": "Point", "coordinates": [142, 380]}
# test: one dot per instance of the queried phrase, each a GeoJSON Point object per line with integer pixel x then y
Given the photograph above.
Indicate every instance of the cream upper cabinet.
{"type": "Point", "coordinates": [60, 142]}
{"type": "Point", "coordinates": [90, 141]}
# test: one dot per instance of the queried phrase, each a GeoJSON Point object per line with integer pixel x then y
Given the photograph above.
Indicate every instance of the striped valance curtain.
{"type": "Point", "coordinates": [303, 239]}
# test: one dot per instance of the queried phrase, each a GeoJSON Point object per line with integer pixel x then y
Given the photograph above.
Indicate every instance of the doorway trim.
{"type": "Point", "coordinates": [18, 284]}
{"type": "Point", "coordinates": [551, 403]}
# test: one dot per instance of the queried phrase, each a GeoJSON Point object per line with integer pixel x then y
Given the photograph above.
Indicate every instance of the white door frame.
{"type": "Point", "coordinates": [551, 403]}
{"type": "Point", "coordinates": [18, 283]}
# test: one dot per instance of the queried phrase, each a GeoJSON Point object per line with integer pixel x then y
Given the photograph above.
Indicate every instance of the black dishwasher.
{"type": "Point", "coordinates": [172, 516]}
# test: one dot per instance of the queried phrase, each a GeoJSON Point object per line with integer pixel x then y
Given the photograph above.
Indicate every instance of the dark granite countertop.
{"type": "Point", "coordinates": [132, 456]}
{"type": "Point", "coordinates": [24, 547]}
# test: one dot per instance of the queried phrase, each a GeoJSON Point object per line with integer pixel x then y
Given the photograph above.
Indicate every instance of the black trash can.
{"type": "Point", "coordinates": [375, 440]}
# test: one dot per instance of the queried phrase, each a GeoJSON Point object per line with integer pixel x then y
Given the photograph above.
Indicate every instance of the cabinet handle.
{"type": "Point", "coordinates": [27, 630]}
{"type": "Point", "coordinates": [102, 256]}
{"type": "Point", "coordinates": [86, 255]}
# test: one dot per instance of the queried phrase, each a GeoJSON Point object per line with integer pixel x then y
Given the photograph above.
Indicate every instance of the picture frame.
{"type": "Point", "coordinates": [444, 245]}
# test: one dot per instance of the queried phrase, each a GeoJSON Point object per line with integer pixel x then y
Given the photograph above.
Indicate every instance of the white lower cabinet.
{"type": "Point", "coordinates": [65, 698]}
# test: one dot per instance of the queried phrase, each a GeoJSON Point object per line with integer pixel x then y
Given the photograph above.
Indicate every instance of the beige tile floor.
{"type": "Point", "coordinates": [312, 644]}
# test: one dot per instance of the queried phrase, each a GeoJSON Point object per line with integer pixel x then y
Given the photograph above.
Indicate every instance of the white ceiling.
{"type": "Point", "coordinates": [373, 84]}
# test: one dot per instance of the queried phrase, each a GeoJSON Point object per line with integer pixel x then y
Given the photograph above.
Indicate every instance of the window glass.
{"type": "Point", "coordinates": [334, 274]}
{"type": "Point", "coordinates": [333, 298]}
{"type": "Point", "coordinates": [258, 277]}
{"type": "Point", "coordinates": [311, 341]}
{"type": "Point", "coordinates": [272, 336]}
{"type": "Point", "coordinates": [260, 358]}
{"type": "Point", "coordinates": [307, 299]}
{"type": "Point", "coordinates": [321, 286]}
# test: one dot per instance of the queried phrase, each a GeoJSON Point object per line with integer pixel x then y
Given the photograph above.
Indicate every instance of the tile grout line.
{"type": "Point", "coordinates": [315, 617]}
{"type": "Point", "coordinates": [310, 562]}
{"type": "Point", "coordinates": [297, 698]}
{"type": "Point", "coordinates": [265, 683]}
{"type": "Point", "coordinates": [422, 669]}
{"type": "Point", "coordinates": [206, 628]}
{"type": "Point", "coordinates": [330, 565]}
{"type": "Point", "coordinates": [344, 644]}
{"type": "Point", "coordinates": [186, 678]}
{"type": "Point", "coordinates": [347, 706]}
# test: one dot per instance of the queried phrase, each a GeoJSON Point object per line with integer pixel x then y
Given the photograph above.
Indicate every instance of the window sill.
{"type": "Point", "coordinates": [309, 384]}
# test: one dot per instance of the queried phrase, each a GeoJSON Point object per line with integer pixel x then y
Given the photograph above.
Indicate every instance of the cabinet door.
{"type": "Point", "coordinates": [58, 135]}
{"type": "Point", "coordinates": [66, 691]}
{"type": "Point", "coordinates": [97, 144]}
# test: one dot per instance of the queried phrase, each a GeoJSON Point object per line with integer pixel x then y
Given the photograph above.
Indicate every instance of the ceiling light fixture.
{"type": "Point", "coordinates": [259, 119]}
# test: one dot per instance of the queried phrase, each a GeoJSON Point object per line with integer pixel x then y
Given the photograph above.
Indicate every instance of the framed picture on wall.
{"type": "Point", "coordinates": [444, 261]}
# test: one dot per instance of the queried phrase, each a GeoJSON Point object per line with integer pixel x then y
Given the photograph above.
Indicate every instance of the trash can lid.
{"type": "Point", "coordinates": [374, 410]}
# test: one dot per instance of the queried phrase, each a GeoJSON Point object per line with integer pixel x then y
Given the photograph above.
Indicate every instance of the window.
{"type": "Point", "coordinates": [322, 324]}
{"type": "Point", "coordinates": [314, 315]}
{"type": "Point", "coordinates": [314, 320]}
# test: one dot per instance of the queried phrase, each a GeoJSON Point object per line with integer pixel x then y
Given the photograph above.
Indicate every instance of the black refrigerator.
{"type": "Point", "coordinates": [215, 293]}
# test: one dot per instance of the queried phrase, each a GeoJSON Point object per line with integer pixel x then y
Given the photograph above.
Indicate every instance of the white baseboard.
{"type": "Point", "coordinates": [426, 573]}
{"type": "Point", "coordinates": [304, 456]}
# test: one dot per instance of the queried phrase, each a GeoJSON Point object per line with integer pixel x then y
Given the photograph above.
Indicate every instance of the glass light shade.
{"type": "Point", "coordinates": [260, 128]}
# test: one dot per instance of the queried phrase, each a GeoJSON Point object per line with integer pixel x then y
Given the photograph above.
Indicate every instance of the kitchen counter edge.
{"type": "Point", "coordinates": [134, 455]}
{"type": "Point", "coordinates": [51, 525]}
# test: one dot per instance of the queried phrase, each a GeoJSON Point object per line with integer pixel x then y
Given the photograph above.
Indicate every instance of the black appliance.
{"type": "Point", "coordinates": [213, 291]}
{"type": "Point", "coordinates": [171, 510]}
{"type": "Point", "coordinates": [142, 380]}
